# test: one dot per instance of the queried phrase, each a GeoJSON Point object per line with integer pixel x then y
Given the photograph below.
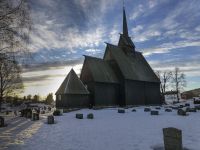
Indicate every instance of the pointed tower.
{"type": "Point", "coordinates": [125, 26]}
{"type": "Point", "coordinates": [125, 41]}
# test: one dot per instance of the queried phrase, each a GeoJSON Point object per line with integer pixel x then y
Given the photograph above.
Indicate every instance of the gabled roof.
{"type": "Point", "coordinates": [133, 66]}
{"type": "Point", "coordinates": [72, 85]}
{"type": "Point", "coordinates": [101, 70]}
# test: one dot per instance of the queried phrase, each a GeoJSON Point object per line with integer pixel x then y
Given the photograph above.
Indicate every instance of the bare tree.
{"type": "Point", "coordinates": [178, 81]}
{"type": "Point", "coordinates": [15, 24]}
{"type": "Point", "coordinates": [10, 79]}
{"type": "Point", "coordinates": [165, 77]}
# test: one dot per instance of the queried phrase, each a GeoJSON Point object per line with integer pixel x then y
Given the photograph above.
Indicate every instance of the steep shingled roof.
{"type": "Point", "coordinates": [101, 70]}
{"type": "Point", "coordinates": [72, 85]}
{"type": "Point", "coordinates": [133, 66]}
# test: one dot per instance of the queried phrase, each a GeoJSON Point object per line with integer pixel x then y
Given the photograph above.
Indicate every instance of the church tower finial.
{"type": "Point", "coordinates": [125, 26]}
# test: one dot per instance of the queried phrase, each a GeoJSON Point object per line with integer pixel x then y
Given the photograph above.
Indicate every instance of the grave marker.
{"type": "Point", "coordinates": [172, 139]}
{"type": "Point", "coordinates": [50, 119]}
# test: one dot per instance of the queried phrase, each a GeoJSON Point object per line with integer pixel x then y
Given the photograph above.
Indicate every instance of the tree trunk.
{"type": "Point", "coordinates": [177, 96]}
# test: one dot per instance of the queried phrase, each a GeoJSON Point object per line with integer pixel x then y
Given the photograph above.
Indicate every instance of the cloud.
{"type": "Point", "coordinates": [137, 12]}
{"type": "Point", "coordinates": [167, 47]}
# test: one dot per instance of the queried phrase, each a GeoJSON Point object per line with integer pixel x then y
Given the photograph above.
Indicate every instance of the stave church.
{"type": "Point", "coordinates": [122, 77]}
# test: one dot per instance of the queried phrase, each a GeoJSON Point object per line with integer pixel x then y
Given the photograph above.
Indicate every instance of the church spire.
{"type": "Point", "coordinates": [125, 26]}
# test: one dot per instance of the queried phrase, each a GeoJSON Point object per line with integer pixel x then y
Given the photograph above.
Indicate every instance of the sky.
{"type": "Point", "coordinates": [167, 32]}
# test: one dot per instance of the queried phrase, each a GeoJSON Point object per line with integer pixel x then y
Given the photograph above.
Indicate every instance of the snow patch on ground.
{"type": "Point", "coordinates": [110, 130]}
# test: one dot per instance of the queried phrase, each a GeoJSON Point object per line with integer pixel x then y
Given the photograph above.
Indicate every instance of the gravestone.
{"type": "Point", "coordinates": [196, 101]}
{"type": "Point", "coordinates": [2, 124]}
{"type": "Point", "coordinates": [181, 106]}
{"type": "Point", "coordinates": [175, 107]}
{"type": "Point", "coordinates": [133, 110]}
{"type": "Point", "coordinates": [50, 119]}
{"type": "Point", "coordinates": [79, 116]}
{"type": "Point", "coordinates": [57, 112]}
{"type": "Point", "coordinates": [147, 109]}
{"type": "Point", "coordinates": [154, 112]}
{"type": "Point", "coordinates": [35, 116]}
{"type": "Point", "coordinates": [197, 107]}
{"type": "Point", "coordinates": [121, 111]}
{"type": "Point", "coordinates": [90, 116]}
{"type": "Point", "coordinates": [172, 139]}
{"type": "Point", "coordinates": [191, 109]}
{"type": "Point", "coordinates": [168, 110]}
{"type": "Point", "coordinates": [158, 108]}
{"type": "Point", "coordinates": [187, 104]}
{"type": "Point", "coordinates": [181, 112]}
{"type": "Point", "coordinates": [28, 114]}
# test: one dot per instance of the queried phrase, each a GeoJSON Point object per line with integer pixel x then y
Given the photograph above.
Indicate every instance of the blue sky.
{"type": "Point", "coordinates": [166, 31]}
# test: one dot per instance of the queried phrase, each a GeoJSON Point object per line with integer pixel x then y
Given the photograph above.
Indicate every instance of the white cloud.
{"type": "Point", "coordinates": [137, 12]}
{"type": "Point", "coordinates": [142, 33]}
{"type": "Point", "coordinates": [197, 28]}
{"type": "Point", "coordinates": [114, 34]}
{"type": "Point", "coordinates": [167, 47]}
{"type": "Point", "coordinates": [70, 39]}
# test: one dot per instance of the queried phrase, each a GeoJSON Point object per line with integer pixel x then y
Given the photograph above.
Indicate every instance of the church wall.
{"type": "Point", "coordinates": [106, 94]}
{"type": "Point", "coordinates": [134, 92]}
{"type": "Point", "coordinates": [152, 91]}
{"type": "Point", "coordinates": [72, 101]}
{"type": "Point", "coordinates": [141, 93]}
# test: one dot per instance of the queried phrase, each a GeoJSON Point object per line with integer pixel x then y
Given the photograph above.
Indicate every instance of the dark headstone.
{"type": "Point", "coordinates": [181, 106]}
{"type": "Point", "coordinates": [168, 110]}
{"type": "Point", "coordinates": [187, 104]}
{"type": "Point", "coordinates": [172, 139]}
{"type": "Point", "coordinates": [147, 109]}
{"type": "Point", "coordinates": [90, 116]}
{"type": "Point", "coordinates": [158, 108]}
{"type": "Point", "coordinates": [2, 123]}
{"type": "Point", "coordinates": [175, 102]}
{"type": "Point", "coordinates": [35, 116]}
{"type": "Point", "coordinates": [28, 114]}
{"type": "Point", "coordinates": [197, 107]}
{"type": "Point", "coordinates": [50, 119]}
{"type": "Point", "coordinates": [57, 113]}
{"type": "Point", "coordinates": [181, 112]}
{"type": "Point", "coordinates": [196, 101]}
{"type": "Point", "coordinates": [121, 111]}
{"type": "Point", "coordinates": [133, 110]}
{"type": "Point", "coordinates": [154, 112]}
{"type": "Point", "coordinates": [79, 116]}
{"type": "Point", "coordinates": [188, 109]}
{"type": "Point", "coordinates": [175, 107]}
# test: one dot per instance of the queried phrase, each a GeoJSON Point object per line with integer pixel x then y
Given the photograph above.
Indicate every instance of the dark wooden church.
{"type": "Point", "coordinates": [123, 77]}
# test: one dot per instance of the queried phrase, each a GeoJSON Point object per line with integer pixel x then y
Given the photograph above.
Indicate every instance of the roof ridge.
{"type": "Point", "coordinates": [91, 57]}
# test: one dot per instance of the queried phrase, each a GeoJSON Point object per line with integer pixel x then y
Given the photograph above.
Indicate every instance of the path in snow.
{"type": "Point", "coordinates": [18, 130]}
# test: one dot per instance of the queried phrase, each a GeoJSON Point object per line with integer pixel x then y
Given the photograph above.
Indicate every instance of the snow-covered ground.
{"type": "Point", "coordinates": [110, 130]}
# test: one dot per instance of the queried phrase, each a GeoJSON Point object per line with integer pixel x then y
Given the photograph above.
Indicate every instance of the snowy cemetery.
{"type": "Point", "coordinates": [138, 128]}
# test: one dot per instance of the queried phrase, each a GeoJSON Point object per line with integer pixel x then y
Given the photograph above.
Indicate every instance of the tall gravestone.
{"type": "Point", "coordinates": [172, 139]}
